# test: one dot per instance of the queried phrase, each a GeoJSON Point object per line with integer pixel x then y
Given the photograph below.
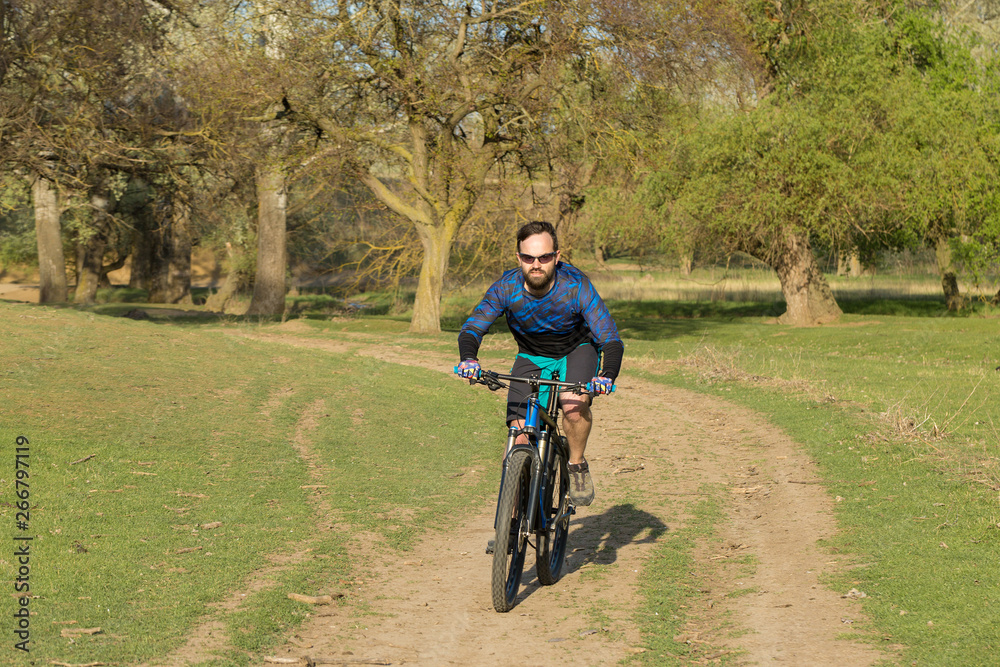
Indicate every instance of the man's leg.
{"type": "Point", "coordinates": [577, 421]}
{"type": "Point", "coordinates": [581, 365]}
{"type": "Point", "coordinates": [517, 395]}
{"type": "Point", "coordinates": [576, 424]}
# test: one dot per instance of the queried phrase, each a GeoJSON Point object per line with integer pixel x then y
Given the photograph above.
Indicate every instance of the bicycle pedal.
{"type": "Point", "coordinates": [572, 509]}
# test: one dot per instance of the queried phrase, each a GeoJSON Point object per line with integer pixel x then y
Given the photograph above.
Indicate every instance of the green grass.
{"type": "Point", "coordinates": [670, 583]}
{"type": "Point", "coordinates": [190, 424]}
{"type": "Point", "coordinates": [187, 426]}
{"type": "Point", "coordinates": [901, 414]}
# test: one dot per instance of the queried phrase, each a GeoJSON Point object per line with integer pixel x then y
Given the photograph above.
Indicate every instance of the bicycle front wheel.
{"type": "Point", "coordinates": [511, 540]}
{"type": "Point", "coordinates": [552, 540]}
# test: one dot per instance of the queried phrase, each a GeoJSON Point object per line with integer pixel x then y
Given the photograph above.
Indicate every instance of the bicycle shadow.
{"type": "Point", "coordinates": [597, 538]}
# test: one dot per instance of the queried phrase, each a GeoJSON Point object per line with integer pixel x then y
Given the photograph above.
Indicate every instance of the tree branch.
{"type": "Point", "coordinates": [393, 201]}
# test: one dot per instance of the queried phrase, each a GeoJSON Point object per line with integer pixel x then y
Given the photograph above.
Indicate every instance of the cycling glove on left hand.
{"type": "Point", "coordinates": [601, 385]}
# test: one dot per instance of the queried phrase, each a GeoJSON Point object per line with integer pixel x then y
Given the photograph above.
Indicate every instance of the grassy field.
{"type": "Point", "coordinates": [749, 281]}
{"type": "Point", "coordinates": [170, 462]}
{"type": "Point", "coordinates": [901, 413]}
{"type": "Point", "coordinates": [188, 425]}
{"type": "Point", "coordinates": [898, 402]}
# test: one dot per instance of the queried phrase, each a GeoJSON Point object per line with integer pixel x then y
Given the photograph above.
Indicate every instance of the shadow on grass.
{"type": "Point", "coordinates": [654, 320]}
{"type": "Point", "coordinates": [658, 320]}
{"type": "Point", "coordinates": [909, 307]}
{"type": "Point", "coordinates": [641, 320]}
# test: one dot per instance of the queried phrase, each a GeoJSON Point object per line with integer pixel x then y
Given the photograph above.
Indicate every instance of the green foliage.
{"type": "Point", "coordinates": [17, 239]}
{"type": "Point", "coordinates": [978, 254]}
{"type": "Point", "coordinates": [618, 224]}
{"type": "Point", "coordinates": [875, 130]}
{"type": "Point", "coordinates": [17, 224]}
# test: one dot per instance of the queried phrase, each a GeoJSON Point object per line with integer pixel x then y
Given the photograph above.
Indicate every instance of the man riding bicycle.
{"type": "Point", "coordinates": [560, 324]}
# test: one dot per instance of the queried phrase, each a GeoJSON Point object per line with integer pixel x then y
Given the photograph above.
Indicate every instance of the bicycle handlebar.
{"type": "Point", "coordinates": [493, 379]}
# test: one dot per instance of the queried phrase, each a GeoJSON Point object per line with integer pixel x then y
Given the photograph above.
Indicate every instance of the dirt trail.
{"type": "Point", "coordinates": [654, 450]}
{"type": "Point", "coordinates": [17, 292]}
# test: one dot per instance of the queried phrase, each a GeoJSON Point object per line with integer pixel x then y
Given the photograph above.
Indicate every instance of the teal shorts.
{"type": "Point", "coordinates": [580, 365]}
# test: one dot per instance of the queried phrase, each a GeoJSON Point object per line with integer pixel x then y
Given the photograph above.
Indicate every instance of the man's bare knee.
{"type": "Point", "coordinates": [576, 411]}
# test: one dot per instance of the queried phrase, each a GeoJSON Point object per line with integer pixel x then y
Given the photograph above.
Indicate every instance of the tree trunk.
{"type": "Point", "coordinates": [104, 281]}
{"type": "Point", "coordinates": [141, 272]}
{"type": "Point", "coordinates": [269, 282]}
{"type": "Point", "coordinates": [171, 265]}
{"type": "Point", "coordinates": [51, 259]}
{"type": "Point", "coordinates": [843, 267]}
{"type": "Point", "coordinates": [90, 252]}
{"type": "Point", "coordinates": [179, 278]}
{"type": "Point", "coordinates": [849, 264]}
{"type": "Point", "coordinates": [236, 280]}
{"type": "Point", "coordinates": [427, 306]}
{"type": "Point", "coordinates": [686, 263]}
{"type": "Point", "coordinates": [855, 268]}
{"type": "Point", "coordinates": [599, 255]}
{"type": "Point", "coordinates": [949, 280]}
{"type": "Point", "coordinates": [90, 260]}
{"type": "Point", "coordinates": [808, 297]}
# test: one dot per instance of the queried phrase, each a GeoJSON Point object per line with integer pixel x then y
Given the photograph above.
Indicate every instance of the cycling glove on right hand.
{"type": "Point", "coordinates": [468, 369]}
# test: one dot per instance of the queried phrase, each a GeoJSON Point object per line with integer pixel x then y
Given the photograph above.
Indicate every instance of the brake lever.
{"type": "Point", "coordinates": [489, 379]}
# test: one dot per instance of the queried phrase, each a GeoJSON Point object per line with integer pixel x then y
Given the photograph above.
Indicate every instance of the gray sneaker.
{"type": "Point", "coordinates": [581, 487]}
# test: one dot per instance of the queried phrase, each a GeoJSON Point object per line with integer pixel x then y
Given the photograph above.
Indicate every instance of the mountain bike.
{"type": "Point", "coordinates": [534, 490]}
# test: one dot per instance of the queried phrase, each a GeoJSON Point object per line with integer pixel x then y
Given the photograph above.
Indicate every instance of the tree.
{"type": "Point", "coordinates": [829, 153]}
{"type": "Point", "coordinates": [51, 260]}
{"type": "Point", "coordinates": [85, 103]}
{"type": "Point", "coordinates": [946, 115]}
{"type": "Point", "coordinates": [93, 239]}
{"type": "Point", "coordinates": [272, 257]}
{"type": "Point", "coordinates": [433, 98]}
{"type": "Point", "coordinates": [428, 100]}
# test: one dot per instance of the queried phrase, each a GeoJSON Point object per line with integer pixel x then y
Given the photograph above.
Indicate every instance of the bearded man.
{"type": "Point", "coordinates": [560, 323]}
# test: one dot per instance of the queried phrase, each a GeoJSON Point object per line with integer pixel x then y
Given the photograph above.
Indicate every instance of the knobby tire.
{"type": "Point", "coordinates": [552, 543]}
{"type": "Point", "coordinates": [512, 514]}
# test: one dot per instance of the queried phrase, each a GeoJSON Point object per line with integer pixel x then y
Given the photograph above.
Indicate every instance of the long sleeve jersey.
{"type": "Point", "coordinates": [569, 314]}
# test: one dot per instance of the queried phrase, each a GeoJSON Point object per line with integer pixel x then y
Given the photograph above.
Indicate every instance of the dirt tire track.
{"type": "Point", "coordinates": [651, 446]}
{"type": "Point", "coordinates": [790, 617]}
{"type": "Point", "coordinates": [210, 638]}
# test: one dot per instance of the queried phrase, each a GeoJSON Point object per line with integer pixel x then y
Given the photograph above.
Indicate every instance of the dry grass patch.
{"type": "Point", "coordinates": [975, 461]}
{"type": "Point", "coordinates": [711, 365]}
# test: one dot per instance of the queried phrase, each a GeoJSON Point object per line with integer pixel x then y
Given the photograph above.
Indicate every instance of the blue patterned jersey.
{"type": "Point", "coordinates": [570, 314]}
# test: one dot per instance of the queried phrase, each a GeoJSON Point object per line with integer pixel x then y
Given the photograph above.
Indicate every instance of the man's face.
{"type": "Point", "coordinates": [536, 248]}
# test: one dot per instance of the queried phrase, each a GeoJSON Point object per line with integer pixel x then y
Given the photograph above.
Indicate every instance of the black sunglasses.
{"type": "Point", "coordinates": [542, 259]}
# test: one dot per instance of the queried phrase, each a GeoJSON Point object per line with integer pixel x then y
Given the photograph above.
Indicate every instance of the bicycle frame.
{"type": "Point", "coordinates": [526, 505]}
{"type": "Point", "coordinates": [539, 425]}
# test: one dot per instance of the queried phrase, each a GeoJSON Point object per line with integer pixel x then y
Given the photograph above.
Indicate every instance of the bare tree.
{"type": "Point", "coordinates": [431, 99]}
{"type": "Point", "coordinates": [84, 98]}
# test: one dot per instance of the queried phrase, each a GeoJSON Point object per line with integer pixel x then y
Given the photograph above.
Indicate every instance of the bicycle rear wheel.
{"type": "Point", "coordinates": [511, 540]}
{"type": "Point", "coordinates": [551, 552]}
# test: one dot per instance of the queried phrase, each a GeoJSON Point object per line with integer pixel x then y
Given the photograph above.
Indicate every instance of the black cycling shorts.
{"type": "Point", "coordinates": [581, 365]}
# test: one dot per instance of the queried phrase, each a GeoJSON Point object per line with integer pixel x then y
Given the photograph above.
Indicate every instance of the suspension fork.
{"type": "Point", "coordinates": [511, 439]}
{"type": "Point", "coordinates": [537, 476]}
{"type": "Point", "coordinates": [534, 491]}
